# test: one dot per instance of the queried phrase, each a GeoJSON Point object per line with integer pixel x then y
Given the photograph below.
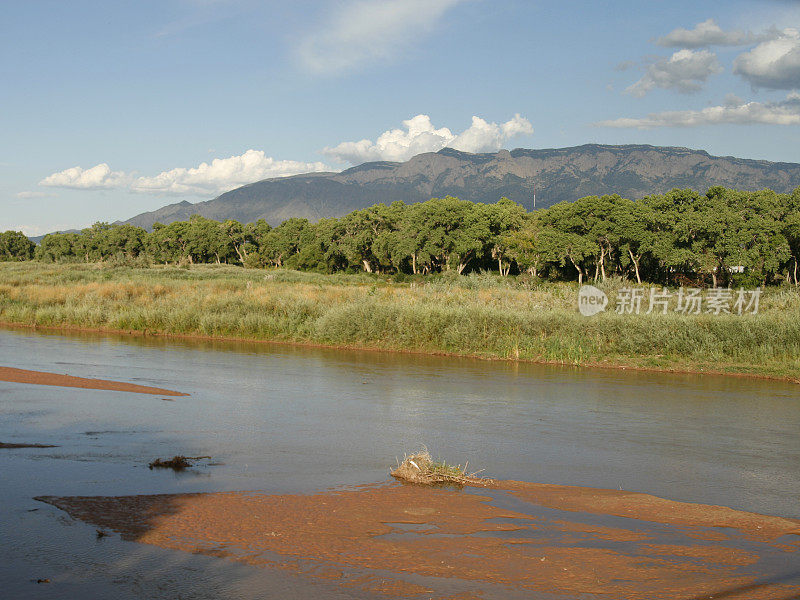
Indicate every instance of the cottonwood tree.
{"type": "Point", "coordinates": [505, 218]}
{"type": "Point", "coordinates": [57, 247]}
{"type": "Point", "coordinates": [283, 241]}
{"type": "Point", "coordinates": [15, 246]}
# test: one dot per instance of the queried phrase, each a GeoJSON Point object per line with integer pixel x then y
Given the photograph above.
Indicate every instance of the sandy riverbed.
{"type": "Point", "coordinates": [511, 540]}
{"type": "Point", "coordinates": [42, 378]}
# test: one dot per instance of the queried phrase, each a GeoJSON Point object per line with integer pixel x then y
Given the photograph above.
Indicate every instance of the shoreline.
{"type": "Point", "coordinates": [616, 366]}
{"type": "Point", "coordinates": [15, 375]}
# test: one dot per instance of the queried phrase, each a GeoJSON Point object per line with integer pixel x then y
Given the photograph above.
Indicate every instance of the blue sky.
{"type": "Point", "coordinates": [108, 109]}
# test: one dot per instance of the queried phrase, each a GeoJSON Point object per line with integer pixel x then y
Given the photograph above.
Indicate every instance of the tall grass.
{"type": "Point", "coordinates": [480, 315]}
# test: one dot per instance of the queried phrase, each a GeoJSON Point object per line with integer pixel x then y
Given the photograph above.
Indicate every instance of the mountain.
{"type": "Point", "coordinates": [38, 238]}
{"type": "Point", "coordinates": [633, 171]}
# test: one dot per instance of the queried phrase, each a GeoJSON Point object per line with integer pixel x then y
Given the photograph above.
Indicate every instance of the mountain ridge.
{"type": "Point", "coordinates": [631, 170]}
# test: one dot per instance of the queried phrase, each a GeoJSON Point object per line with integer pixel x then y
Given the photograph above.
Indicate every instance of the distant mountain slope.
{"type": "Point", "coordinates": [38, 238]}
{"type": "Point", "coordinates": [560, 174]}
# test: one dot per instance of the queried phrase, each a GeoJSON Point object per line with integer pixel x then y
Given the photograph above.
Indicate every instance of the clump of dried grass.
{"type": "Point", "coordinates": [420, 467]}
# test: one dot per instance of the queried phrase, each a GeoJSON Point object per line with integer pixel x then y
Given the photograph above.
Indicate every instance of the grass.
{"type": "Point", "coordinates": [481, 315]}
{"type": "Point", "coordinates": [422, 469]}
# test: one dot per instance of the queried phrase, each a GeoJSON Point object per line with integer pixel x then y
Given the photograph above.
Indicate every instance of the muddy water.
{"type": "Point", "coordinates": [284, 420]}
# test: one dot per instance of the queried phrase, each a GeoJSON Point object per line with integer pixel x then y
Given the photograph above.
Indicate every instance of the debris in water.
{"type": "Point", "coordinates": [176, 463]}
{"type": "Point", "coordinates": [10, 445]}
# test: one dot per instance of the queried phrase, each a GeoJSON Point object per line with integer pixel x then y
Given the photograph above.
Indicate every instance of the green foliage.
{"type": "Point", "coordinates": [681, 237]}
{"type": "Point", "coordinates": [14, 245]}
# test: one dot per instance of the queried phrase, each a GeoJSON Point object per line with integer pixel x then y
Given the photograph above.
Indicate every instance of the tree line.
{"type": "Point", "coordinates": [674, 238]}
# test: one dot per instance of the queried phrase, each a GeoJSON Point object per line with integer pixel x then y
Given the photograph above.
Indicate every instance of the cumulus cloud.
{"type": "Point", "coordinates": [96, 178]}
{"type": "Point", "coordinates": [218, 176]}
{"type": "Point", "coordinates": [773, 64]}
{"type": "Point", "coordinates": [685, 71]}
{"type": "Point", "coordinates": [364, 31]}
{"type": "Point", "coordinates": [708, 33]}
{"type": "Point", "coordinates": [419, 135]}
{"type": "Point", "coordinates": [734, 111]}
{"type": "Point", "coordinates": [222, 174]}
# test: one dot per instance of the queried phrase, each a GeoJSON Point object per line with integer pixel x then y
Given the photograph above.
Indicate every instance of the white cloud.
{"type": "Point", "coordinates": [489, 137]}
{"type": "Point", "coordinates": [708, 33]}
{"type": "Point", "coordinates": [96, 178]}
{"type": "Point", "coordinates": [28, 195]}
{"type": "Point", "coordinates": [685, 71]}
{"type": "Point", "coordinates": [223, 174]}
{"type": "Point", "coordinates": [518, 125]}
{"type": "Point", "coordinates": [419, 135]}
{"type": "Point", "coordinates": [365, 31]}
{"type": "Point", "coordinates": [774, 64]}
{"type": "Point", "coordinates": [734, 111]}
{"type": "Point", "coordinates": [220, 175]}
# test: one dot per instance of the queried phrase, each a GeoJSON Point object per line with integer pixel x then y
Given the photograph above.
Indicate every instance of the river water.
{"type": "Point", "coordinates": [294, 419]}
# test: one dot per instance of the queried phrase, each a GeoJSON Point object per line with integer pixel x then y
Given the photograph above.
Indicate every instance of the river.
{"type": "Point", "coordinates": [285, 419]}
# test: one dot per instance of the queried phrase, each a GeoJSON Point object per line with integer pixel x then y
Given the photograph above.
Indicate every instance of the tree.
{"type": "Point", "coordinates": [254, 236]}
{"type": "Point", "coordinates": [15, 246]}
{"type": "Point", "coordinates": [762, 246]}
{"type": "Point", "coordinates": [207, 241]}
{"type": "Point", "coordinates": [283, 242]}
{"type": "Point", "coordinates": [237, 237]}
{"type": "Point", "coordinates": [524, 246]}
{"type": "Point", "coordinates": [791, 231]}
{"type": "Point", "coordinates": [125, 240]}
{"type": "Point", "coordinates": [57, 247]}
{"type": "Point", "coordinates": [585, 223]}
{"type": "Point", "coordinates": [637, 233]}
{"type": "Point", "coordinates": [569, 246]}
{"type": "Point", "coordinates": [87, 244]}
{"type": "Point", "coordinates": [358, 232]}
{"type": "Point", "coordinates": [504, 218]}
{"type": "Point", "coordinates": [589, 219]}
{"type": "Point", "coordinates": [169, 243]}
{"type": "Point", "coordinates": [448, 233]}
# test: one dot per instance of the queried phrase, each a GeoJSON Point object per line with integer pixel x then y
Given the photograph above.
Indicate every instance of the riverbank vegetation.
{"type": "Point", "coordinates": [481, 314]}
{"type": "Point", "coordinates": [724, 237]}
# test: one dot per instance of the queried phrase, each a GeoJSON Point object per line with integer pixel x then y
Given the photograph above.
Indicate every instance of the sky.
{"type": "Point", "coordinates": [109, 109]}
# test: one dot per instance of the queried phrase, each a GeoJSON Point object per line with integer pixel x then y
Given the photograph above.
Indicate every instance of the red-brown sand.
{"type": "Point", "coordinates": [650, 508]}
{"type": "Point", "coordinates": [414, 541]}
{"type": "Point", "coordinates": [42, 378]}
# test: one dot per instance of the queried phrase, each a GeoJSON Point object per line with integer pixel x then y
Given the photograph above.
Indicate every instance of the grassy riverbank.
{"type": "Point", "coordinates": [481, 315]}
